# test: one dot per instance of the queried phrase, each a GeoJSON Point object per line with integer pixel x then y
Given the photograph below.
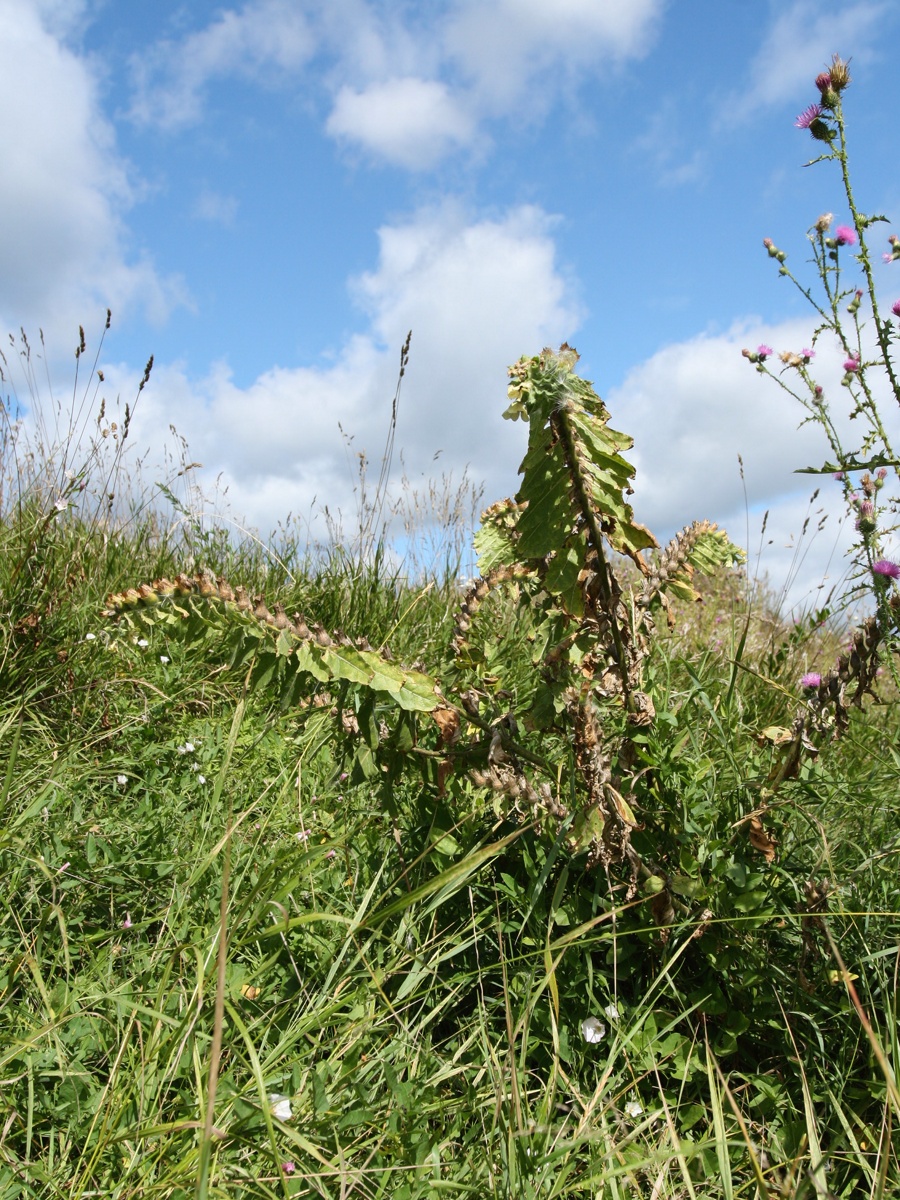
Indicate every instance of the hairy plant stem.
{"type": "Point", "coordinates": [595, 537]}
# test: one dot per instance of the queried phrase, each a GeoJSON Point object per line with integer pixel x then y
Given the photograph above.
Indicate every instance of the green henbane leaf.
{"type": "Point", "coordinates": [574, 462]}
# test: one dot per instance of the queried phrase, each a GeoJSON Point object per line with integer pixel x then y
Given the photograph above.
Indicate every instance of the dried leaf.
{"type": "Point", "coordinates": [447, 720]}
{"type": "Point", "coordinates": [760, 840]}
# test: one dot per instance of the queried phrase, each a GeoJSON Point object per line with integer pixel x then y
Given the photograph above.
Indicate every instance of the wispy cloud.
{"type": "Point", "coordinates": [262, 41]}
{"type": "Point", "coordinates": [404, 87]}
{"type": "Point", "coordinates": [663, 148]}
{"type": "Point", "coordinates": [800, 43]}
{"type": "Point", "coordinates": [216, 208]}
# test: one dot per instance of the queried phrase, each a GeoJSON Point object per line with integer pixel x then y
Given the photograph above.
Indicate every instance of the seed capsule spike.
{"type": "Point", "coordinates": [300, 627]}
{"type": "Point", "coordinates": [280, 617]}
{"type": "Point", "coordinates": [261, 611]}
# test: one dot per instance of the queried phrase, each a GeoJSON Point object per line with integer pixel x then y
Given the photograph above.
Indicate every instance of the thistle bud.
{"type": "Point", "coordinates": [821, 131]}
{"type": "Point", "coordinates": [773, 250]}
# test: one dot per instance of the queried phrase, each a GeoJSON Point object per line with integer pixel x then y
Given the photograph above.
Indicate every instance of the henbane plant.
{"type": "Point", "coordinates": [554, 747]}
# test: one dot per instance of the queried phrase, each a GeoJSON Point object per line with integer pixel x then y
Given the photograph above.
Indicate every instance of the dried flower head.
{"type": "Point", "coordinates": [824, 222]}
{"type": "Point", "coordinates": [839, 73]}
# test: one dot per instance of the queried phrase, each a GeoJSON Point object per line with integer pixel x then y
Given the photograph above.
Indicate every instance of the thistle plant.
{"type": "Point", "coordinates": [851, 316]}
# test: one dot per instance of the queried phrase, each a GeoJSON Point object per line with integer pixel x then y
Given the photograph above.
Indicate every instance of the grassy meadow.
{"type": "Point", "coordinates": [232, 963]}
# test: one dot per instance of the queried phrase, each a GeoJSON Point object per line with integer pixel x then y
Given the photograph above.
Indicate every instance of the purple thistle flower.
{"type": "Point", "coordinates": [812, 679]}
{"type": "Point", "coordinates": [895, 308]}
{"type": "Point", "coordinates": [807, 354]}
{"type": "Point", "coordinates": [851, 365]}
{"type": "Point", "coordinates": [886, 569]}
{"type": "Point", "coordinates": [887, 258]}
{"type": "Point", "coordinates": [838, 475]}
{"type": "Point", "coordinates": [808, 115]}
{"type": "Point", "coordinates": [845, 235]}
{"type": "Point", "coordinates": [764, 352]}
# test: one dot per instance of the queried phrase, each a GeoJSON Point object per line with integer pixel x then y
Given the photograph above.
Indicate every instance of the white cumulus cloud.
{"type": "Point", "coordinates": [64, 254]}
{"type": "Point", "coordinates": [475, 293]}
{"type": "Point", "coordinates": [695, 406]}
{"type": "Point", "coordinates": [408, 122]}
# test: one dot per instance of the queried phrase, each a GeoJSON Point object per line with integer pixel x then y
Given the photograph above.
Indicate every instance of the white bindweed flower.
{"type": "Point", "coordinates": [90, 637]}
{"type": "Point", "coordinates": [281, 1106]}
{"type": "Point", "coordinates": [121, 780]}
{"type": "Point", "coordinates": [163, 658]}
{"type": "Point", "coordinates": [612, 1012]}
{"type": "Point", "coordinates": [187, 748]}
{"type": "Point", "coordinates": [142, 642]}
{"type": "Point", "coordinates": [593, 1030]}
{"type": "Point", "coordinates": [633, 1109]}
{"type": "Point", "coordinates": [201, 779]}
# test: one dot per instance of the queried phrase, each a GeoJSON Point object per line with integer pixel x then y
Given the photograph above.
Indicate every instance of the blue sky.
{"type": "Point", "coordinates": [269, 194]}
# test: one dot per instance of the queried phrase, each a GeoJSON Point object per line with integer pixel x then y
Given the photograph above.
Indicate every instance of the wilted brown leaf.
{"type": "Point", "coordinates": [760, 840]}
